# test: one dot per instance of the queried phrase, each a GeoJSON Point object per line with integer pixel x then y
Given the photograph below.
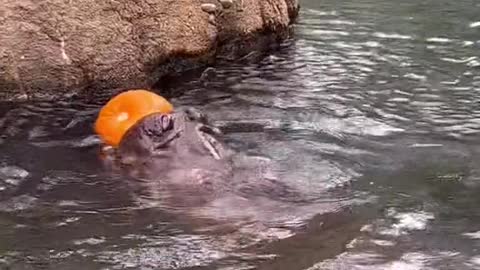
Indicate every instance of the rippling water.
{"type": "Point", "coordinates": [371, 114]}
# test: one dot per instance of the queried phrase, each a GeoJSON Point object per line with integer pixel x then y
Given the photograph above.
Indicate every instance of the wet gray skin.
{"type": "Point", "coordinates": [185, 134]}
{"type": "Point", "coordinates": [179, 151]}
{"type": "Point", "coordinates": [181, 156]}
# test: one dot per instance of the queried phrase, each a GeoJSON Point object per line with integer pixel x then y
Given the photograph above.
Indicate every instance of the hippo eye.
{"type": "Point", "coordinates": [166, 122]}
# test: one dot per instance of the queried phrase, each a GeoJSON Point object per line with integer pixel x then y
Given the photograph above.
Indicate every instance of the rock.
{"type": "Point", "coordinates": [209, 8]}
{"type": "Point", "coordinates": [56, 48]}
{"type": "Point", "coordinates": [208, 74]}
{"type": "Point", "coordinates": [226, 4]}
{"type": "Point", "coordinates": [212, 20]}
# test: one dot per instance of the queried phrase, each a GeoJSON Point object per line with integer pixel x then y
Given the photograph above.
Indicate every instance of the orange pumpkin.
{"type": "Point", "coordinates": [124, 110]}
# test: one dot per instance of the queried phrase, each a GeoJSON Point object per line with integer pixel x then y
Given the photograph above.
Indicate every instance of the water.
{"type": "Point", "coordinates": [371, 113]}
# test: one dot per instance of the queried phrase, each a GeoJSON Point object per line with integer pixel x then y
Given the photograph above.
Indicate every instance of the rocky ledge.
{"type": "Point", "coordinates": [54, 48]}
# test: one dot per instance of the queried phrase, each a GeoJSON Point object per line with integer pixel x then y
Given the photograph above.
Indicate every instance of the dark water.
{"type": "Point", "coordinates": [371, 113]}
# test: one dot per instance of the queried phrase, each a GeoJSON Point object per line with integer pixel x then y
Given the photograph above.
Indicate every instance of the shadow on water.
{"type": "Point", "coordinates": [356, 143]}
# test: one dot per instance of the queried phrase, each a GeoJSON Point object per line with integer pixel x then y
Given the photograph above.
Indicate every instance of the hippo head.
{"type": "Point", "coordinates": [148, 135]}
{"type": "Point", "coordinates": [182, 142]}
{"type": "Point", "coordinates": [176, 151]}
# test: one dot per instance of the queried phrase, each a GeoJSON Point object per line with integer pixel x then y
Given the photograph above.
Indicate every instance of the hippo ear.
{"type": "Point", "coordinates": [194, 114]}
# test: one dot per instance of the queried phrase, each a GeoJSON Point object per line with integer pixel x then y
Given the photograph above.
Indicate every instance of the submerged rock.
{"type": "Point", "coordinates": [94, 45]}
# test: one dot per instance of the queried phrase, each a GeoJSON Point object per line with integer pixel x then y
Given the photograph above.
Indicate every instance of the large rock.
{"type": "Point", "coordinates": [57, 47]}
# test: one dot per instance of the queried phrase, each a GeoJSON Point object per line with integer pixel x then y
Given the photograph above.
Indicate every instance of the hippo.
{"type": "Point", "coordinates": [184, 134]}
{"type": "Point", "coordinates": [184, 154]}
{"type": "Point", "coordinates": [177, 158]}
{"type": "Point", "coordinates": [180, 152]}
